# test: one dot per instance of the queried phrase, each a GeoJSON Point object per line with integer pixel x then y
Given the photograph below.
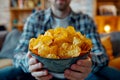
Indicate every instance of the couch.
{"type": "Point", "coordinates": [8, 42]}
{"type": "Point", "coordinates": [4, 62]}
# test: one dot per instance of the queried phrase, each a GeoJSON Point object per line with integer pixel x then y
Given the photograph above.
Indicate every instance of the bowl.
{"type": "Point", "coordinates": [58, 65]}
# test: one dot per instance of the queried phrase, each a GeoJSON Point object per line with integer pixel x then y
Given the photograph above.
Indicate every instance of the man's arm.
{"type": "Point", "coordinates": [99, 56]}
{"type": "Point", "coordinates": [21, 50]}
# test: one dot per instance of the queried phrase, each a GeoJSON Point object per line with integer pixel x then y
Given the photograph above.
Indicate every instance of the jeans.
{"type": "Point", "coordinates": [109, 73]}
{"type": "Point", "coordinates": [12, 73]}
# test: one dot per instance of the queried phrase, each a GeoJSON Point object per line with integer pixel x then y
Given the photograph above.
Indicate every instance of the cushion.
{"type": "Point", "coordinates": [10, 44]}
{"type": "Point", "coordinates": [108, 46]}
{"type": "Point", "coordinates": [2, 37]}
{"type": "Point", "coordinates": [5, 62]}
{"type": "Point", "coordinates": [115, 63]}
{"type": "Point", "coordinates": [115, 39]}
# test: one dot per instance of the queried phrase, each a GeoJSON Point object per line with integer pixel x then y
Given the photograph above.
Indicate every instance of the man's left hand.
{"type": "Point", "coordinates": [79, 71]}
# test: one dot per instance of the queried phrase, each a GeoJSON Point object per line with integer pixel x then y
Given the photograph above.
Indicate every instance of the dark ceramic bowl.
{"type": "Point", "coordinates": [58, 65]}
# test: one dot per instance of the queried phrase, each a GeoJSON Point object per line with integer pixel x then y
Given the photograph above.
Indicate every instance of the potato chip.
{"type": "Point", "coordinates": [77, 41]}
{"type": "Point", "coordinates": [43, 50]}
{"type": "Point", "coordinates": [31, 43]}
{"type": "Point", "coordinates": [37, 45]}
{"type": "Point", "coordinates": [49, 33]}
{"type": "Point", "coordinates": [40, 36]}
{"type": "Point", "coordinates": [54, 49]}
{"type": "Point", "coordinates": [35, 51]}
{"type": "Point", "coordinates": [46, 40]}
{"type": "Point", "coordinates": [53, 56]}
{"type": "Point", "coordinates": [71, 32]}
{"type": "Point", "coordinates": [88, 44]}
{"type": "Point", "coordinates": [73, 51]}
{"type": "Point", "coordinates": [63, 50]}
{"type": "Point", "coordinates": [31, 46]}
{"type": "Point", "coordinates": [69, 51]}
{"type": "Point", "coordinates": [60, 35]}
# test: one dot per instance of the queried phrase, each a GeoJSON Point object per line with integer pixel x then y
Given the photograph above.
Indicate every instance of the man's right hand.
{"type": "Point", "coordinates": [36, 69]}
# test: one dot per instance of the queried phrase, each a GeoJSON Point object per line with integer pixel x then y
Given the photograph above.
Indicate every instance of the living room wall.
{"type": "Point", "coordinates": [4, 12]}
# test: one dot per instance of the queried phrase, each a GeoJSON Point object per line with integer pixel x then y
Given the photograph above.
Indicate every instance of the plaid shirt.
{"type": "Point", "coordinates": [41, 21]}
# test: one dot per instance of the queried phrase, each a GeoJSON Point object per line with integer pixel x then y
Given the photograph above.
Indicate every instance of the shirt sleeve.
{"type": "Point", "coordinates": [20, 58]}
{"type": "Point", "coordinates": [98, 53]}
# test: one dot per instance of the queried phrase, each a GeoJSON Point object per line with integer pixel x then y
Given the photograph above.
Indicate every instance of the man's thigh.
{"type": "Point", "coordinates": [93, 76]}
{"type": "Point", "coordinates": [110, 73]}
{"type": "Point", "coordinates": [14, 73]}
{"type": "Point", "coordinates": [10, 72]}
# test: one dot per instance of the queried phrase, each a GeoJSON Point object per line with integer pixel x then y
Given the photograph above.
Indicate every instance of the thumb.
{"type": "Point", "coordinates": [29, 54]}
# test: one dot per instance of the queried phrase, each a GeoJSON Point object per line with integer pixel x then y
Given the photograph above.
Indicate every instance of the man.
{"type": "Point", "coordinates": [60, 14]}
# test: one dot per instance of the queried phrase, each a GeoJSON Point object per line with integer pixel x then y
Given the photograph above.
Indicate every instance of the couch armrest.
{"type": "Point", "coordinates": [2, 37]}
{"type": "Point", "coordinates": [5, 62]}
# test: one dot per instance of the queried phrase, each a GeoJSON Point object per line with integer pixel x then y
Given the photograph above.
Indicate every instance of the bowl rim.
{"type": "Point", "coordinates": [86, 53]}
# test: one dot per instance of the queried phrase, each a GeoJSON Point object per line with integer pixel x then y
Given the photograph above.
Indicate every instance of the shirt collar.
{"type": "Point", "coordinates": [48, 16]}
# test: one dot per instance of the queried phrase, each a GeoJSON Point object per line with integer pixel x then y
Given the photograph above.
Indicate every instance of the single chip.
{"type": "Point", "coordinates": [49, 33]}
{"type": "Point", "coordinates": [77, 41]}
{"type": "Point", "coordinates": [53, 56]}
{"type": "Point", "coordinates": [73, 51]}
{"type": "Point", "coordinates": [54, 49]}
{"type": "Point", "coordinates": [60, 35]}
{"type": "Point", "coordinates": [31, 43]}
{"type": "Point", "coordinates": [43, 50]}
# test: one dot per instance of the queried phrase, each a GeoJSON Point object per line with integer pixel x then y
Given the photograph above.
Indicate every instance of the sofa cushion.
{"type": "Point", "coordinates": [115, 63]}
{"type": "Point", "coordinates": [115, 40]}
{"type": "Point", "coordinates": [2, 37]}
{"type": "Point", "coordinates": [108, 46]}
{"type": "Point", "coordinates": [10, 44]}
{"type": "Point", "coordinates": [5, 62]}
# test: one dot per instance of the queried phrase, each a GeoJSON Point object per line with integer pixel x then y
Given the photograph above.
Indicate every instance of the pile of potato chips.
{"type": "Point", "coordinates": [60, 43]}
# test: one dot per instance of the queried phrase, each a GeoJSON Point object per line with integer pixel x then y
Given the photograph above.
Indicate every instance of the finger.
{"type": "Point", "coordinates": [29, 55]}
{"type": "Point", "coordinates": [48, 77]}
{"type": "Point", "coordinates": [32, 61]}
{"type": "Point", "coordinates": [39, 74]}
{"type": "Point", "coordinates": [86, 62]}
{"type": "Point", "coordinates": [81, 69]}
{"type": "Point", "coordinates": [35, 67]}
{"type": "Point", "coordinates": [69, 74]}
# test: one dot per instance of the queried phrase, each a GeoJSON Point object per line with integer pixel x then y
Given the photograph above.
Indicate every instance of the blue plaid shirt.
{"type": "Point", "coordinates": [41, 21]}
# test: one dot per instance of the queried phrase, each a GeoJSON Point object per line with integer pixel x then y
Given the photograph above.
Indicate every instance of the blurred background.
{"type": "Point", "coordinates": [13, 13]}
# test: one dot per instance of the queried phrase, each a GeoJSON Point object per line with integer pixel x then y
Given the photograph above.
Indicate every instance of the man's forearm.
{"type": "Point", "coordinates": [21, 60]}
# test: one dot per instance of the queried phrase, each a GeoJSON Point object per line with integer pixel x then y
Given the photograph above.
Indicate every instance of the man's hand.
{"type": "Point", "coordinates": [80, 70]}
{"type": "Point", "coordinates": [36, 70]}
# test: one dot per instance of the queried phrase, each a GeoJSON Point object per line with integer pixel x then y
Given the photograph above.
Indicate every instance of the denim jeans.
{"type": "Point", "coordinates": [9, 73]}
{"type": "Point", "coordinates": [109, 73]}
{"type": "Point", "coordinates": [12, 73]}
